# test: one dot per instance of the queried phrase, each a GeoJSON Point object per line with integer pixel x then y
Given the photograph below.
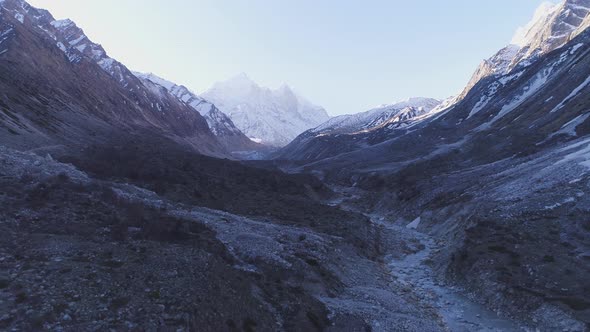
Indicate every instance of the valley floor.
{"type": "Point", "coordinates": [79, 253]}
{"type": "Point", "coordinates": [411, 270]}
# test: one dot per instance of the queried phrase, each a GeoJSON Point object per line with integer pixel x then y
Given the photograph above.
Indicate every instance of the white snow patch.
{"type": "Point", "coordinates": [483, 101]}
{"type": "Point", "coordinates": [533, 86]}
{"type": "Point", "coordinates": [509, 78]}
{"type": "Point", "coordinates": [59, 24]}
{"type": "Point", "coordinates": [61, 46]}
{"type": "Point", "coordinates": [106, 64]}
{"type": "Point", "coordinates": [77, 40]}
{"type": "Point", "coordinates": [582, 155]}
{"type": "Point", "coordinates": [570, 127]}
{"type": "Point", "coordinates": [97, 54]}
{"type": "Point", "coordinates": [73, 57]}
{"type": "Point", "coordinates": [556, 205]}
{"type": "Point", "coordinates": [4, 34]}
{"type": "Point", "coordinates": [576, 48]}
{"type": "Point", "coordinates": [20, 17]}
{"type": "Point", "coordinates": [551, 207]}
{"type": "Point", "coordinates": [414, 224]}
{"type": "Point", "coordinates": [572, 95]}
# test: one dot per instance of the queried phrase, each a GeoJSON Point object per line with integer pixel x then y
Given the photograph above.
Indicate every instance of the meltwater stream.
{"type": "Point", "coordinates": [458, 312]}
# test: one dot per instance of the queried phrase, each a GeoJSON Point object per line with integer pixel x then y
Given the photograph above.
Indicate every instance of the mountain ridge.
{"type": "Point", "coordinates": [219, 123]}
{"type": "Point", "coordinates": [269, 116]}
{"type": "Point", "coordinates": [87, 87]}
{"type": "Point", "coordinates": [551, 27]}
{"type": "Point", "coordinates": [348, 133]}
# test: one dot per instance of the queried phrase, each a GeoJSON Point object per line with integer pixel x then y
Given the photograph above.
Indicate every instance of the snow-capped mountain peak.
{"type": "Point", "coordinates": [417, 102]}
{"type": "Point", "coordinates": [239, 85]}
{"type": "Point", "coordinates": [271, 116]}
{"type": "Point", "coordinates": [551, 27]}
{"type": "Point", "coordinates": [241, 77]}
{"type": "Point", "coordinates": [219, 123]}
{"type": "Point", "coordinates": [526, 33]}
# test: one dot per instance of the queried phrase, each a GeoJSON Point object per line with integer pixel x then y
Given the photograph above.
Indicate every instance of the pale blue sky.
{"type": "Point", "coordinates": [347, 56]}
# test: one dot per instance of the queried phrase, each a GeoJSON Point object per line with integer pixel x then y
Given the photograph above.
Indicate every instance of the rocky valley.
{"type": "Point", "coordinates": [131, 203]}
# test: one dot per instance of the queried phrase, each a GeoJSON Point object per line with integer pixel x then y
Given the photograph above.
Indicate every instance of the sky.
{"type": "Point", "coordinates": [347, 56]}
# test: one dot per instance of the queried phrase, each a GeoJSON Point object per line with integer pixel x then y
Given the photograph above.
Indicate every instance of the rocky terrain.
{"type": "Point", "coordinates": [499, 176]}
{"type": "Point", "coordinates": [81, 252]}
{"type": "Point", "coordinates": [123, 207]}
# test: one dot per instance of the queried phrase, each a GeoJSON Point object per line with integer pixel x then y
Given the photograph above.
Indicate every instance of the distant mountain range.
{"type": "Point", "coordinates": [271, 117]}
{"type": "Point", "coordinates": [58, 51]}
{"type": "Point", "coordinates": [219, 123]}
{"type": "Point", "coordinates": [341, 134]}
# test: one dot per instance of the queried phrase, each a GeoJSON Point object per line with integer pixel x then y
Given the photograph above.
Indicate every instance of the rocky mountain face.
{"type": "Point", "coordinates": [60, 88]}
{"type": "Point", "coordinates": [220, 124]}
{"type": "Point", "coordinates": [270, 117]}
{"type": "Point", "coordinates": [500, 175]}
{"type": "Point", "coordinates": [551, 27]}
{"type": "Point", "coordinates": [384, 115]}
{"type": "Point", "coordinates": [352, 132]}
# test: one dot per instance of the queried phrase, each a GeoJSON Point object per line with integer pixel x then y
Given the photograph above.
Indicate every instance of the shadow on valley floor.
{"type": "Point", "coordinates": [182, 176]}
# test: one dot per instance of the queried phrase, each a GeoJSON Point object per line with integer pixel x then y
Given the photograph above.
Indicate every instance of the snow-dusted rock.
{"type": "Point", "coordinates": [381, 116]}
{"type": "Point", "coordinates": [219, 123]}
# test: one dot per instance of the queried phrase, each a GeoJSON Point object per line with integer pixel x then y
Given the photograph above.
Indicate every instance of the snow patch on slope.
{"type": "Point", "coordinates": [574, 93]}
{"type": "Point", "coordinates": [581, 156]}
{"type": "Point", "coordinates": [61, 24]}
{"type": "Point", "coordinates": [570, 127]}
{"type": "Point", "coordinates": [20, 17]}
